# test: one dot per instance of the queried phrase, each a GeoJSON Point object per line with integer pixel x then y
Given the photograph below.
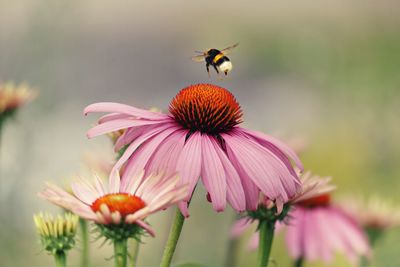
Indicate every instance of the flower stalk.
{"type": "Point", "coordinates": [173, 238]}
{"type": "Point", "coordinates": [299, 262]}
{"type": "Point", "coordinates": [266, 230]}
{"type": "Point", "coordinates": [61, 259]}
{"type": "Point", "coordinates": [85, 243]}
{"type": "Point", "coordinates": [120, 252]}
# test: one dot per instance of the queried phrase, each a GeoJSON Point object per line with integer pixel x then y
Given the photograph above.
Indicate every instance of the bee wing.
{"type": "Point", "coordinates": [229, 48]}
{"type": "Point", "coordinates": [199, 58]}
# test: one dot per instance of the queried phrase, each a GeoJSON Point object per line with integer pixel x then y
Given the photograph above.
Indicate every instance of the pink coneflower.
{"type": "Point", "coordinates": [317, 229]}
{"type": "Point", "coordinates": [116, 205]}
{"type": "Point", "coordinates": [311, 186]}
{"type": "Point", "coordinates": [201, 138]}
{"type": "Point", "coordinates": [374, 213]}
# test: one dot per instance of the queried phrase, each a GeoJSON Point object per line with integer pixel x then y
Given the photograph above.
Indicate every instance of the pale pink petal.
{"type": "Point", "coordinates": [123, 109]}
{"type": "Point", "coordinates": [235, 192]}
{"type": "Point", "coordinates": [213, 174]}
{"type": "Point", "coordinates": [254, 241]}
{"type": "Point", "coordinates": [134, 183]}
{"type": "Point", "coordinates": [141, 156]}
{"type": "Point", "coordinates": [183, 207]}
{"type": "Point", "coordinates": [166, 156]}
{"type": "Point", "coordinates": [114, 116]}
{"type": "Point", "coordinates": [251, 191]}
{"type": "Point", "coordinates": [98, 183]}
{"type": "Point", "coordinates": [263, 138]}
{"type": "Point", "coordinates": [189, 164]}
{"type": "Point", "coordinates": [114, 183]}
{"type": "Point", "coordinates": [116, 217]}
{"type": "Point", "coordinates": [265, 170]}
{"type": "Point", "coordinates": [295, 233]}
{"type": "Point", "coordinates": [146, 227]}
{"type": "Point", "coordinates": [83, 193]}
{"type": "Point", "coordinates": [118, 124]}
{"type": "Point", "coordinates": [134, 145]}
{"type": "Point", "coordinates": [240, 226]}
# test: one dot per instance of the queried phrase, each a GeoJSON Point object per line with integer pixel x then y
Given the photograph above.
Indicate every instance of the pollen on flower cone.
{"type": "Point", "coordinates": [206, 108]}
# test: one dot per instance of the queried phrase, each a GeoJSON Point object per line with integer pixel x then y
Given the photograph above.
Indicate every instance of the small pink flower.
{"type": "Point", "coordinates": [317, 230]}
{"type": "Point", "coordinates": [374, 213]}
{"type": "Point", "coordinates": [201, 138]}
{"type": "Point", "coordinates": [116, 204]}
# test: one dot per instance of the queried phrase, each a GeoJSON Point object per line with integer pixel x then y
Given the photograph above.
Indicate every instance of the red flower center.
{"type": "Point", "coordinates": [318, 201]}
{"type": "Point", "coordinates": [206, 108]}
{"type": "Point", "coordinates": [122, 202]}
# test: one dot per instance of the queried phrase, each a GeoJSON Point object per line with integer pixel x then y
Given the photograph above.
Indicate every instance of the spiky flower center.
{"type": "Point", "coordinates": [318, 201]}
{"type": "Point", "coordinates": [124, 203]}
{"type": "Point", "coordinates": [206, 108]}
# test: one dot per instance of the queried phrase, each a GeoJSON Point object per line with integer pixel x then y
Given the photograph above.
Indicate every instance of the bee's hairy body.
{"type": "Point", "coordinates": [218, 60]}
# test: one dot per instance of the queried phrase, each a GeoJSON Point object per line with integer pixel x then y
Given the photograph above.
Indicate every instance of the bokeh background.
{"type": "Point", "coordinates": [322, 74]}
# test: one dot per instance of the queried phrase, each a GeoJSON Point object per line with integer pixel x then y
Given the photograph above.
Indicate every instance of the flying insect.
{"type": "Point", "coordinates": [216, 58]}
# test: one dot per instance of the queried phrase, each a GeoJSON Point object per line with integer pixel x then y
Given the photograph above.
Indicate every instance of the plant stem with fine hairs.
{"type": "Point", "coordinates": [266, 231]}
{"type": "Point", "coordinates": [173, 238]}
{"type": "Point", "coordinates": [85, 243]}
{"type": "Point", "coordinates": [61, 259]}
{"type": "Point", "coordinates": [120, 252]}
{"type": "Point", "coordinates": [299, 262]}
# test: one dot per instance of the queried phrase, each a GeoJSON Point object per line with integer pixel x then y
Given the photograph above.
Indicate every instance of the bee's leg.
{"type": "Point", "coordinates": [208, 69]}
{"type": "Point", "coordinates": [216, 69]}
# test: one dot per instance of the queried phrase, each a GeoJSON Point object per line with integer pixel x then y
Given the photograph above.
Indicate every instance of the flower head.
{"type": "Point", "coordinates": [12, 97]}
{"type": "Point", "coordinates": [56, 233]}
{"type": "Point", "coordinates": [118, 204]}
{"type": "Point", "coordinates": [317, 229]}
{"type": "Point", "coordinates": [201, 137]}
{"type": "Point", "coordinates": [372, 213]}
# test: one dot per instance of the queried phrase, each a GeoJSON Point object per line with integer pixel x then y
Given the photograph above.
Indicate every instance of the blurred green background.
{"type": "Point", "coordinates": [326, 73]}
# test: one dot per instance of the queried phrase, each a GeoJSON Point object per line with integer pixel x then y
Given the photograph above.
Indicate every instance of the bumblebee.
{"type": "Point", "coordinates": [216, 58]}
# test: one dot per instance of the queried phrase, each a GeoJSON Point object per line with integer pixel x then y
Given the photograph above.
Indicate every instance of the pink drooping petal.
{"type": "Point", "coordinates": [295, 234]}
{"type": "Point", "coordinates": [251, 191]}
{"type": "Point", "coordinates": [311, 242]}
{"type": "Point", "coordinates": [118, 124]}
{"type": "Point", "coordinates": [265, 170]}
{"type": "Point", "coordinates": [134, 145]}
{"type": "Point", "coordinates": [183, 207]}
{"type": "Point", "coordinates": [113, 116]}
{"type": "Point", "coordinates": [235, 192]}
{"type": "Point", "coordinates": [270, 141]}
{"type": "Point", "coordinates": [254, 241]}
{"type": "Point", "coordinates": [166, 156]}
{"type": "Point", "coordinates": [240, 226]}
{"type": "Point", "coordinates": [146, 227]}
{"type": "Point", "coordinates": [213, 174]}
{"type": "Point", "coordinates": [353, 236]}
{"type": "Point", "coordinates": [124, 109]}
{"type": "Point", "coordinates": [141, 156]}
{"type": "Point", "coordinates": [189, 163]}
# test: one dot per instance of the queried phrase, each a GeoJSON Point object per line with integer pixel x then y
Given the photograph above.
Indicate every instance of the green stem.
{"type": "Point", "coordinates": [61, 259]}
{"type": "Point", "coordinates": [364, 262]}
{"type": "Point", "coordinates": [173, 238]}
{"type": "Point", "coordinates": [85, 243]}
{"type": "Point", "coordinates": [120, 252]}
{"type": "Point", "coordinates": [266, 229]}
{"type": "Point", "coordinates": [299, 262]}
{"type": "Point", "coordinates": [135, 252]}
